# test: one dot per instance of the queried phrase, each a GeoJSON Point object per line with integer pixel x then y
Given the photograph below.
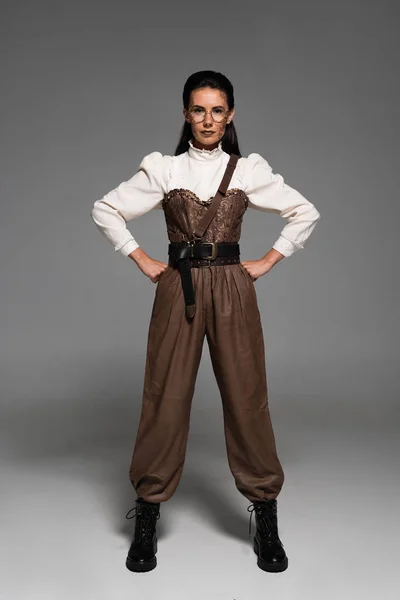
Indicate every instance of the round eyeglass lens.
{"type": "Point", "coordinates": [198, 114]}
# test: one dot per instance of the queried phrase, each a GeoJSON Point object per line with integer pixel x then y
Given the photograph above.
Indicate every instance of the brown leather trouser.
{"type": "Point", "coordinates": [227, 314]}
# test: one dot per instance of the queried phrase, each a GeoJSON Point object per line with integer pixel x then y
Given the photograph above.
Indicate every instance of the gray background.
{"type": "Point", "coordinates": [89, 88]}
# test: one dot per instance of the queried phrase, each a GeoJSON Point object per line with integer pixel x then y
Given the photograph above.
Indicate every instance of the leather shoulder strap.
{"type": "Point", "coordinates": [212, 209]}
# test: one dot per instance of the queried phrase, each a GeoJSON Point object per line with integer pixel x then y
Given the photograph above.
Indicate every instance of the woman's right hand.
{"type": "Point", "coordinates": [150, 267]}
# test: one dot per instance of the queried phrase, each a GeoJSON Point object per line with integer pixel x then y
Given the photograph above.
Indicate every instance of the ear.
{"type": "Point", "coordinates": [185, 114]}
{"type": "Point", "coordinates": [231, 116]}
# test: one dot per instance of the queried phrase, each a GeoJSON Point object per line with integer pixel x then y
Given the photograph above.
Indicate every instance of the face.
{"type": "Point", "coordinates": [208, 133]}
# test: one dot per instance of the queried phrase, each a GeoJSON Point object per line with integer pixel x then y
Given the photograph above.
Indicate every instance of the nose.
{"type": "Point", "coordinates": [207, 119]}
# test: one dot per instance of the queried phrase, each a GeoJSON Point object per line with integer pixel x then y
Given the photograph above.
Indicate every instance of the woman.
{"type": "Point", "coordinates": [205, 291]}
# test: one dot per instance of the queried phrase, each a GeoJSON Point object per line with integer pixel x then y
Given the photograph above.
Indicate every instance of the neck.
{"type": "Point", "coordinates": [201, 146]}
{"type": "Point", "coordinates": [205, 153]}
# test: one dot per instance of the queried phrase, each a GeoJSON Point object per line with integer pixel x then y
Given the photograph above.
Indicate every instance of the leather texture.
{"type": "Point", "coordinates": [142, 552]}
{"type": "Point", "coordinates": [267, 544]}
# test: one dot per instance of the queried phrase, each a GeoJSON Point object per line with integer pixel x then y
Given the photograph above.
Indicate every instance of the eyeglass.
{"type": "Point", "coordinates": [198, 114]}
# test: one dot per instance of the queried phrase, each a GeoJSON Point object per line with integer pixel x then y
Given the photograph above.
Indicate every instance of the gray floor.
{"type": "Point", "coordinates": [65, 494]}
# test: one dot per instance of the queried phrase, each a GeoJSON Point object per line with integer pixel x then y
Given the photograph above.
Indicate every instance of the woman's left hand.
{"type": "Point", "coordinates": [256, 268]}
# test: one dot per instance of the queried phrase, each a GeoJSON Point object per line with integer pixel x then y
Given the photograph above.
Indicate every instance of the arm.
{"type": "Point", "coordinates": [129, 200]}
{"type": "Point", "coordinates": [268, 192]}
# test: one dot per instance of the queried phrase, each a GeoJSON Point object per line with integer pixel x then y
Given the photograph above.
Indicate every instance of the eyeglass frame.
{"type": "Point", "coordinates": [226, 113]}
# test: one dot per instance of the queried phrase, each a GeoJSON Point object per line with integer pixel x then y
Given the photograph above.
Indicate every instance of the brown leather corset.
{"type": "Point", "coordinates": [183, 211]}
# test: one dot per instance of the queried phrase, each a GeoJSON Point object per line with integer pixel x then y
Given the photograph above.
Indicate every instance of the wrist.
{"type": "Point", "coordinates": [272, 257]}
{"type": "Point", "coordinates": [138, 255]}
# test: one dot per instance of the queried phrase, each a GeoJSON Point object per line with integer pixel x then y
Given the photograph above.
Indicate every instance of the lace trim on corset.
{"type": "Point", "coordinates": [193, 196]}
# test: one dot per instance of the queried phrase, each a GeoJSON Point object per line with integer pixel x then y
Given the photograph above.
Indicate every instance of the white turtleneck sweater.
{"type": "Point", "coordinates": [201, 171]}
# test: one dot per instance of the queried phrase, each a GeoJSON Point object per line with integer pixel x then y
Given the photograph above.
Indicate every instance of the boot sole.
{"type": "Point", "coordinates": [269, 567]}
{"type": "Point", "coordinates": [142, 567]}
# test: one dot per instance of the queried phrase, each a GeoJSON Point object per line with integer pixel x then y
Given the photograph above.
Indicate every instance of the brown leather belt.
{"type": "Point", "coordinates": [185, 255]}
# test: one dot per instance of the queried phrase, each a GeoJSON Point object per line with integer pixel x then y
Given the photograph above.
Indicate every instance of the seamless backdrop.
{"type": "Point", "coordinates": [89, 88]}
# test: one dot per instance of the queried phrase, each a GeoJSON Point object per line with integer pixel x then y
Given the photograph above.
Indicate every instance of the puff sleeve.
{"type": "Point", "coordinates": [268, 192]}
{"type": "Point", "coordinates": [132, 198]}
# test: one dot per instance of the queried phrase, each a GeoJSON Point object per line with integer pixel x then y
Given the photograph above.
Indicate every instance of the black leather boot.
{"type": "Point", "coordinates": [141, 556]}
{"type": "Point", "coordinates": [267, 545]}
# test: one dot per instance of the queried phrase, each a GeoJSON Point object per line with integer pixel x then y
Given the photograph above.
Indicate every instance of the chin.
{"type": "Point", "coordinates": [206, 140]}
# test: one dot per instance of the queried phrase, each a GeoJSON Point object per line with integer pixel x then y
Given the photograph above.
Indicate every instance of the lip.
{"type": "Point", "coordinates": [207, 132]}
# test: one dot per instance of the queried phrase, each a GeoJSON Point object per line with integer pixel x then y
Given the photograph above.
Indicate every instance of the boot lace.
{"type": "Point", "coordinates": [266, 512]}
{"type": "Point", "coordinates": [146, 522]}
